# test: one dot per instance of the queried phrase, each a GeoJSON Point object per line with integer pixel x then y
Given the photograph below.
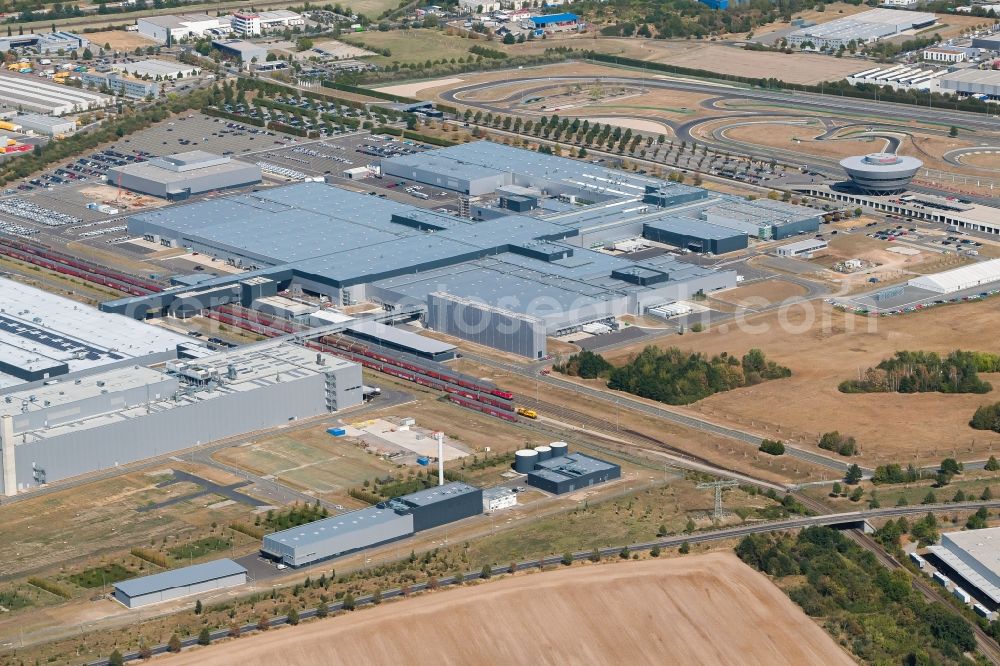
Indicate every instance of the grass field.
{"type": "Point", "coordinates": [634, 612]}
{"type": "Point", "coordinates": [309, 459]}
{"type": "Point", "coordinates": [102, 576]}
{"type": "Point", "coordinates": [409, 46]}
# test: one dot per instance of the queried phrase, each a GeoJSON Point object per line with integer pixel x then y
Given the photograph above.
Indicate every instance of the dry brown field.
{"type": "Point", "coordinates": [824, 347]}
{"type": "Point", "coordinates": [120, 40]}
{"type": "Point", "coordinates": [635, 612]}
{"type": "Point", "coordinates": [792, 67]}
{"type": "Point", "coordinates": [800, 138]}
{"type": "Point", "coordinates": [762, 293]}
{"type": "Point", "coordinates": [988, 161]}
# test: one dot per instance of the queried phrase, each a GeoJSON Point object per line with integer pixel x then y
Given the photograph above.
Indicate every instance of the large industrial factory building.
{"type": "Point", "coordinates": [44, 336]}
{"type": "Point", "coordinates": [390, 520]}
{"type": "Point", "coordinates": [86, 422]}
{"type": "Point", "coordinates": [502, 278]}
{"type": "Point", "coordinates": [176, 177]}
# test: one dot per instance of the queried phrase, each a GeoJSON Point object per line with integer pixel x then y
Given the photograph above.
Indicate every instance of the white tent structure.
{"type": "Point", "coordinates": [957, 279]}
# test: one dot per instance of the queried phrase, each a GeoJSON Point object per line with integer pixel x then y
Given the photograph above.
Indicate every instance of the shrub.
{"type": "Point", "coordinates": [772, 447]}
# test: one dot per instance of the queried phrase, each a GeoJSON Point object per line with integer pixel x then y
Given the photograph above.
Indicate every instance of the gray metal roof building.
{"type": "Point", "coordinates": [46, 125]}
{"type": "Point", "coordinates": [183, 174]}
{"type": "Point", "coordinates": [535, 271]}
{"type": "Point", "coordinates": [196, 579]}
{"type": "Point", "coordinates": [30, 93]}
{"type": "Point", "coordinates": [571, 472]}
{"type": "Point", "coordinates": [400, 340]}
{"type": "Point", "coordinates": [972, 81]}
{"type": "Point", "coordinates": [355, 530]}
{"type": "Point", "coordinates": [87, 422]}
{"type": "Point", "coordinates": [43, 335]}
{"type": "Point", "coordinates": [695, 235]}
{"type": "Point", "coordinates": [975, 556]}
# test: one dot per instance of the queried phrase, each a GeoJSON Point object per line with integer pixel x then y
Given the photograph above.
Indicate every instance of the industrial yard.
{"type": "Point", "coordinates": [505, 326]}
{"type": "Point", "coordinates": [756, 623]}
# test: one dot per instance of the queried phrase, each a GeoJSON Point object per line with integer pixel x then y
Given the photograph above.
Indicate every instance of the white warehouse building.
{"type": "Point", "coordinates": [957, 279]}
{"type": "Point", "coordinates": [975, 556]}
{"type": "Point", "coordinates": [80, 423]}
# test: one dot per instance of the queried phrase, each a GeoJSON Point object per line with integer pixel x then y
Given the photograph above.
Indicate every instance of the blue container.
{"type": "Point", "coordinates": [337, 432]}
{"type": "Point", "coordinates": [423, 460]}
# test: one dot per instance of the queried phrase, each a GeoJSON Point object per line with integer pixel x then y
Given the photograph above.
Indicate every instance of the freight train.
{"type": "Point", "coordinates": [85, 270]}
{"type": "Point", "coordinates": [463, 390]}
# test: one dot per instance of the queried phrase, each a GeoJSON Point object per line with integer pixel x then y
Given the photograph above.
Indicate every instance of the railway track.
{"type": "Point", "coordinates": [986, 645]}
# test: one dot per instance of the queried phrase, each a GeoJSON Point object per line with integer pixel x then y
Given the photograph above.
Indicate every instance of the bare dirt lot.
{"type": "Point", "coordinates": [120, 40]}
{"type": "Point", "coordinates": [762, 293]}
{"type": "Point", "coordinates": [824, 347]}
{"type": "Point", "coordinates": [636, 612]}
{"type": "Point", "coordinates": [792, 67]}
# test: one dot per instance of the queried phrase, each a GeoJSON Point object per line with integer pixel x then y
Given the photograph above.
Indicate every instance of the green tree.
{"type": "Point", "coordinates": [992, 465]}
{"type": "Point", "coordinates": [690, 526]}
{"type": "Point", "coordinates": [953, 131]}
{"type": "Point", "coordinates": [930, 498]}
{"type": "Point", "coordinates": [303, 44]}
{"type": "Point", "coordinates": [853, 475]}
{"type": "Point", "coordinates": [347, 602]}
{"type": "Point", "coordinates": [486, 572]}
{"type": "Point", "coordinates": [197, 607]}
{"type": "Point", "coordinates": [292, 616]}
{"type": "Point", "coordinates": [951, 466]}
{"type": "Point", "coordinates": [174, 644]}
{"type": "Point", "coordinates": [837, 489]}
{"type": "Point", "coordinates": [116, 659]}
{"type": "Point", "coordinates": [987, 494]}
{"type": "Point", "coordinates": [204, 636]}
{"type": "Point", "coordinates": [685, 548]}
{"type": "Point", "coordinates": [655, 550]}
{"type": "Point", "coordinates": [322, 610]}
{"type": "Point", "coordinates": [857, 493]}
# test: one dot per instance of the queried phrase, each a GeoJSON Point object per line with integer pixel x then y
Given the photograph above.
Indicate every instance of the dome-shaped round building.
{"type": "Point", "coordinates": [881, 173]}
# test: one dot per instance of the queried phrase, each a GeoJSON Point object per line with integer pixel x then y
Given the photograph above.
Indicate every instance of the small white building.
{"type": "Point", "coordinates": [805, 248]}
{"type": "Point", "coordinates": [945, 54]}
{"type": "Point", "coordinates": [495, 499]}
{"type": "Point", "coordinates": [198, 579]}
{"type": "Point", "coordinates": [171, 28]}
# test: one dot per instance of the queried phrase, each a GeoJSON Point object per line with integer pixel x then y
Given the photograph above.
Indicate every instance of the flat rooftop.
{"type": "Point", "coordinates": [319, 531]}
{"type": "Point", "coordinates": [437, 494]}
{"type": "Point", "coordinates": [41, 324]}
{"type": "Point", "coordinates": [154, 67]}
{"type": "Point", "coordinates": [392, 335]}
{"type": "Point", "coordinates": [570, 466]}
{"type": "Point", "coordinates": [198, 573]}
{"type": "Point", "coordinates": [975, 556]}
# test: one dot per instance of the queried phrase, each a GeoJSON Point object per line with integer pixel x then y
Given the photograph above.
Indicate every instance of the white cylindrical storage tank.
{"type": "Point", "coordinates": [524, 460]}
{"type": "Point", "coordinates": [559, 449]}
{"type": "Point", "coordinates": [544, 452]}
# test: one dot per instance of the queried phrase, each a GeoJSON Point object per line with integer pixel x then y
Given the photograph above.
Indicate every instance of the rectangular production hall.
{"type": "Point", "coordinates": [504, 279]}
{"type": "Point", "coordinates": [87, 422]}
{"type": "Point", "coordinates": [21, 92]}
{"type": "Point", "coordinates": [44, 336]}
{"type": "Point", "coordinates": [975, 556]}
{"type": "Point", "coordinates": [573, 471]}
{"type": "Point", "coordinates": [177, 177]}
{"type": "Point", "coordinates": [178, 583]}
{"type": "Point", "coordinates": [393, 519]}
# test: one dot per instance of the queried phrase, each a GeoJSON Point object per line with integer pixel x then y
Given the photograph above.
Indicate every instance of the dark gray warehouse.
{"type": "Point", "coordinates": [394, 519]}
{"type": "Point", "coordinates": [570, 472]}
{"type": "Point", "coordinates": [695, 235]}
